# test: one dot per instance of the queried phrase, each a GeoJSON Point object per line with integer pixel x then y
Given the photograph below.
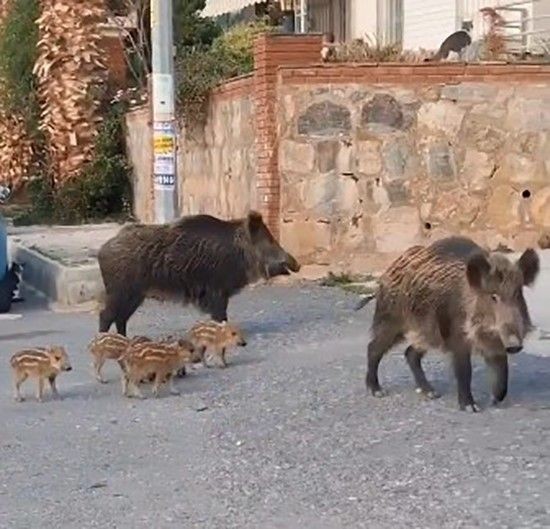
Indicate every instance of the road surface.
{"type": "Point", "coordinates": [284, 438]}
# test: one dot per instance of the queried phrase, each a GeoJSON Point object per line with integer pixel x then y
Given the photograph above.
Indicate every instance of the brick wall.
{"type": "Point", "coordinates": [424, 73]}
{"type": "Point", "coordinates": [271, 52]}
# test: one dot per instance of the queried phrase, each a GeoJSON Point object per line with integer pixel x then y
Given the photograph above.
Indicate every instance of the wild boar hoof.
{"type": "Point", "coordinates": [472, 408]}
{"type": "Point", "coordinates": [428, 394]}
{"type": "Point", "coordinates": [379, 393]}
{"type": "Point", "coordinates": [19, 399]}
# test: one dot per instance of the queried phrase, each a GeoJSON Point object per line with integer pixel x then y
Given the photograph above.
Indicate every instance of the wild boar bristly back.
{"type": "Point", "coordinates": [199, 259]}
{"type": "Point", "coordinates": [415, 283]}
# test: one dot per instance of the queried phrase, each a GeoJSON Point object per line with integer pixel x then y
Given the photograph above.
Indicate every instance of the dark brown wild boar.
{"type": "Point", "coordinates": [199, 259]}
{"type": "Point", "coordinates": [454, 296]}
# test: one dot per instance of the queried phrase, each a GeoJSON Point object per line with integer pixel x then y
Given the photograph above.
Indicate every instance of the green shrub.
{"type": "Point", "coordinates": [18, 40]}
{"type": "Point", "coordinates": [200, 69]}
{"type": "Point", "coordinates": [101, 191]}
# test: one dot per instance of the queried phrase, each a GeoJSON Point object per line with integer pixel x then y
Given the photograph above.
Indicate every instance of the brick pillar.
{"type": "Point", "coordinates": [270, 52]}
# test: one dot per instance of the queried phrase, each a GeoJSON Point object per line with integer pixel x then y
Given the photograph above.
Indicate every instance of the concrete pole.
{"type": "Point", "coordinates": [164, 119]}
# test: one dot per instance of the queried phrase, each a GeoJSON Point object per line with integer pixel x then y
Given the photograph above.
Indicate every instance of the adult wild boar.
{"type": "Point", "coordinates": [198, 259]}
{"type": "Point", "coordinates": [454, 296]}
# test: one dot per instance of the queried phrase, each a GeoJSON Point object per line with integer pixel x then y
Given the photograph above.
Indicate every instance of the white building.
{"type": "Point", "coordinates": [414, 23]}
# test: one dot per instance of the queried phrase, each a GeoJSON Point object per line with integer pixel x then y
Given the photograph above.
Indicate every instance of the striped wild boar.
{"type": "Point", "coordinates": [199, 259]}
{"type": "Point", "coordinates": [110, 346]}
{"type": "Point", "coordinates": [215, 338]}
{"type": "Point", "coordinates": [162, 360]}
{"type": "Point", "coordinates": [40, 363]}
{"type": "Point", "coordinates": [454, 296]}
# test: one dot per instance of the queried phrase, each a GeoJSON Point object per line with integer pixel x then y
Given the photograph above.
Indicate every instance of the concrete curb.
{"type": "Point", "coordinates": [62, 285]}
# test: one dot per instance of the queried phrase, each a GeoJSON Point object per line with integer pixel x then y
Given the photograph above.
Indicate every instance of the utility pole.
{"type": "Point", "coordinates": [164, 122]}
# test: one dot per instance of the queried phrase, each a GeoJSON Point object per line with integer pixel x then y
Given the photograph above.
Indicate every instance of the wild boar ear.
{"type": "Point", "coordinates": [254, 221]}
{"type": "Point", "coordinates": [477, 270]}
{"type": "Point", "coordinates": [529, 264]}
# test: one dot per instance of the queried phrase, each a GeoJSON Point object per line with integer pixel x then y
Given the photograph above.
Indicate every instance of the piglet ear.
{"type": "Point", "coordinates": [529, 264]}
{"type": "Point", "coordinates": [477, 270]}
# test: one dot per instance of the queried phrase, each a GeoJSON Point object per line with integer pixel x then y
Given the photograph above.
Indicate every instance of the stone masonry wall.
{"type": "Point", "coordinates": [373, 159]}
{"type": "Point", "coordinates": [217, 163]}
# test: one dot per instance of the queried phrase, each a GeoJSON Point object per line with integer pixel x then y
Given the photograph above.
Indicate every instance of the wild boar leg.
{"type": "Point", "coordinates": [414, 359]}
{"type": "Point", "coordinates": [218, 311]}
{"type": "Point", "coordinates": [98, 364]}
{"type": "Point", "coordinates": [53, 386]}
{"type": "Point", "coordinates": [204, 357]}
{"type": "Point", "coordinates": [157, 383]}
{"type": "Point", "coordinates": [385, 336]}
{"type": "Point", "coordinates": [222, 357]}
{"type": "Point", "coordinates": [124, 310]}
{"type": "Point", "coordinates": [462, 363]}
{"type": "Point", "coordinates": [171, 388]}
{"type": "Point", "coordinates": [121, 324]}
{"type": "Point", "coordinates": [18, 380]}
{"type": "Point", "coordinates": [107, 315]}
{"type": "Point", "coordinates": [40, 389]}
{"type": "Point", "coordinates": [498, 370]}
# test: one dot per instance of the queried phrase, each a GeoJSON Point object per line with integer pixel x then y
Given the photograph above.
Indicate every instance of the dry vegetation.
{"type": "Point", "coordinates": [69, 71]}
{"type": "Point", "coordinates": [372, 50]}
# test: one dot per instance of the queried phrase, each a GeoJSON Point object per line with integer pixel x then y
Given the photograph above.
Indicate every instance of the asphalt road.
{"type": "Point", "coordinates": [284, 438]}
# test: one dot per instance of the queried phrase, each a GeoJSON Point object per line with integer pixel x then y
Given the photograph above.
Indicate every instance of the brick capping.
{"type": "Point", "coordinates": [270, 52]}
{"type": "Point", "coordinates": [413, 73]}
{"type": "Point", "coordinates": [235, 87]}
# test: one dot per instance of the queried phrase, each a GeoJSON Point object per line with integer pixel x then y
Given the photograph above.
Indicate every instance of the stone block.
{"type": "Point", "coordinates": [470, 92]}
{"type": "Point", "coordinates": [398, 158]}
{"type": "Point", "coordinates": [442, 116]}
{"type": "Point", "coordinates": [325, 119]}
{"type": "Point", "coordinates": [383, 113]}
{"type": "Point", "coordinates": [369, 161]}
{"type": "Point", "coordinates": [398, 193]}
{"type": "Point", "coordinates": [440, 161]}
{"type": "Point", "coordinates": [327, 152]}
{"type": "Point", "coordinates": [518, 169]}
{"type": "Point", "coordinates": [477, 170]}
{"type": "Point", "coordinates": [306, 239]}
{"type": "Point", "coordinates": [318, 194]}
{"type": "Point", "coordinates": [503, 208]}
{"type": "Point", "coordinates": [540, 207]}
{"type": "Point", "coordinates": [347, 195]}
{"type": "Point", "coordinates": [297, 157]}
{"type": "Point", "coordinates": [529, 115]}
{"type": "Point", "coordinates": [397, 229]}
{"type": "Point", "coordinates": [480, 131]}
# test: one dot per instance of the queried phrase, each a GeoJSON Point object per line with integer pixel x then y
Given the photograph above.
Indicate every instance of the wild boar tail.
{"type": "Point", "coordinates": [364, 301]}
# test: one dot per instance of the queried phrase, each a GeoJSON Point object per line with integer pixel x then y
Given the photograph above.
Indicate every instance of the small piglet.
{"type": "Point", "coordinates": [216, 338]}
{"type": "Point", "coordinates": [161, 360]}
{"type": "Point", "coordinates": [110, 346]}
{"type": "Point", "coordinates": [41, 363]}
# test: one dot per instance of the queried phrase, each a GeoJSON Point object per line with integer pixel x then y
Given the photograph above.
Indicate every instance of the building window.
{"type": "Point", "coordinates": [390, 21]}
{"type": "Point", "coordinates": [328, 16]}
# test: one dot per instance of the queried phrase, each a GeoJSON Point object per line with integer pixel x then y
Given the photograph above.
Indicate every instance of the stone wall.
{"type": "Point", "coordinates": [352, 163]}
{"type": "Point", "coordinates": [139, 146]}
{"type": "Point", "coordinates": [373, 159]}
{"type": "Point", "coordinates": [217, 162]}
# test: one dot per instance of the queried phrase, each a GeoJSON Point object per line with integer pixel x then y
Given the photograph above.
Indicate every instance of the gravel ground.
{"type": "Point", "coordinates": [284, 438]}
